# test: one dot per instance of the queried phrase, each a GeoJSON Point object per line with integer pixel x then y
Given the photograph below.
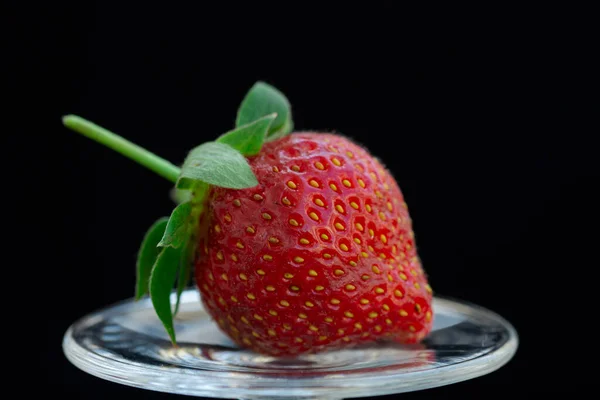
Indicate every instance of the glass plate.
{"type": "Point", "coordinates": [125, 343]}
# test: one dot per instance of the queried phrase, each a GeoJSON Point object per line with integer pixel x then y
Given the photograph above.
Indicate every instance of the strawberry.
{"type": "Point", "coordinates": [320, 254]}
{"type": "Point", "coordinates": [298, 242]}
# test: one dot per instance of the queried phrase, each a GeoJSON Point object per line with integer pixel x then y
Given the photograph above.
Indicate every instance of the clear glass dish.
{"type": "Point", "coordinates": [125, 343]}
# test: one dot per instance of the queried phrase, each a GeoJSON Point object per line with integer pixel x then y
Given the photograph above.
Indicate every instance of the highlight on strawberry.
{"type": "Point", "coordinates": [298, 242]}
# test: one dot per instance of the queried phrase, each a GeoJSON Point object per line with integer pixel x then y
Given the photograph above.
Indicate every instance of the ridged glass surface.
{"type": "Point", "coordinates": [126, 343]}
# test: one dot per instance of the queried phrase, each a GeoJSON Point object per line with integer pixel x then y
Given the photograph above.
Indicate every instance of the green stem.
{"type": "Point", "coordinates": [113, 141]}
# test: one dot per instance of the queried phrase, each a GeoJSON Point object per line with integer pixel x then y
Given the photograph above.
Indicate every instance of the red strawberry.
{"type": "Point", "coordinates": [320, 254]}
{"type": "Point", "coordinates": [302, 243]}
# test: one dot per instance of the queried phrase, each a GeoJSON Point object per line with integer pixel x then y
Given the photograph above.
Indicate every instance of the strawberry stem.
{"type": "Point", "coordinates": [113, 141]}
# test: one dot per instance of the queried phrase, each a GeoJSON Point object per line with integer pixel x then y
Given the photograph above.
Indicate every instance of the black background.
{"type": "Point", "coordinates": [484, 120]}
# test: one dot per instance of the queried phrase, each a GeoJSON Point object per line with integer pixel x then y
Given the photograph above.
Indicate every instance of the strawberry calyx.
{"type": "Point", "coordinates": [166, 253]}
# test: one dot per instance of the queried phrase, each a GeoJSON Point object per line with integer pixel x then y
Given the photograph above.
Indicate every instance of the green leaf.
{"type": "Point", "coordinates": [287, 128]}
{"type": "Point", "coordinates": [176, 232]}
{"type": "Point", "coordinates": [180, 196]}
{"type": "Point", "coordinates": [200, 191]}
{"type": "Point", "coordinates": [162, 280]}
{"type": "Point", "coordinates": [185, 269]}
{"type": "Point", "coordinates": [147, 256]}
{"type": "Point", "coordinates": [248, 139]}
{"type": "Point", "coordinates": [216, 164]}
{"type": "Point", "coordinates": [263, 99]}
